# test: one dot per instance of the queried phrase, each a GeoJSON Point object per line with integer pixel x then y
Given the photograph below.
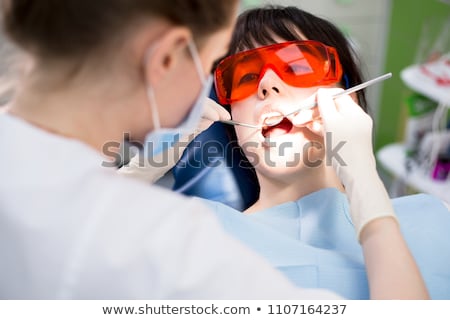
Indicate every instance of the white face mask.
{"type": "Point", "coordinates": [161, 139]}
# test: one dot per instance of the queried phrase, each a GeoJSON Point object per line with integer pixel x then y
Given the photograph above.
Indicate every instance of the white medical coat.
{"type": "Point", "coordinates": [72, 229]}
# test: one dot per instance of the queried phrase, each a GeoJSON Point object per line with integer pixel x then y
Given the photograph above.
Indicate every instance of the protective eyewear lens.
{"type": "Point", "coordinates": [298, 63]}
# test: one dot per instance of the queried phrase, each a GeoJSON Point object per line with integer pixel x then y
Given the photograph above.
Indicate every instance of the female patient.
{"type": "Point", "coordinates": [279, 58]}
{"type": "Point", "coordinates": [301, 222]}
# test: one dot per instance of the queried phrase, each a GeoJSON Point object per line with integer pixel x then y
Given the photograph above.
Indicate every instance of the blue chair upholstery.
{"type": "Point", "coordinates": [213, 167]}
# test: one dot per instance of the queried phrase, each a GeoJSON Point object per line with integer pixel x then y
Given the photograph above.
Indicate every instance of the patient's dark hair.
{"type": "Point", "coordinates": [258, 26]}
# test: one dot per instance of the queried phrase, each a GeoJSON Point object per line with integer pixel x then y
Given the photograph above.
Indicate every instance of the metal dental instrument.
{"type": "Point", "coordinates": [236, 123]}
{"type": "Point", "coordinates": [273, 121]}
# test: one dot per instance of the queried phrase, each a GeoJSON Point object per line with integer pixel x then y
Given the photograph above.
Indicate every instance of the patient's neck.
{"type": "Point", "coordinates": [275, 191]}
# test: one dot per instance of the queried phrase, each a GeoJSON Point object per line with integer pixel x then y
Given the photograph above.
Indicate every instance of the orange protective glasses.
{"type": "Point", "coordinates": [301, 64]}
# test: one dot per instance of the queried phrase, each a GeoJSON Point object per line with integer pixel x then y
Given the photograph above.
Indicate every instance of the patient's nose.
{"type": "Point", "coordinates": [270, 85]}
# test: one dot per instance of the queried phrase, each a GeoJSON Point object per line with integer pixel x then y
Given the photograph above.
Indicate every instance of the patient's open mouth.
{"type": "Point", "coordinates": [285, 126]}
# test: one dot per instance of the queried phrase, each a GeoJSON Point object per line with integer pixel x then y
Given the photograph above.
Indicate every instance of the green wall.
{"type": "Point", "coordinates": [408, 18]}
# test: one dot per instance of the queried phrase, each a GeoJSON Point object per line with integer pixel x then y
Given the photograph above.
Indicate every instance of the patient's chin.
{"type": "Point", "coordinates": [289, 165]}
{"type": "Point", "coordinates": [287, 154]}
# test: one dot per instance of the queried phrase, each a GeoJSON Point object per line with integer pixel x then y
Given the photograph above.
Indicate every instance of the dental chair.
{"type": "Point", "coordinates": [212, 167]}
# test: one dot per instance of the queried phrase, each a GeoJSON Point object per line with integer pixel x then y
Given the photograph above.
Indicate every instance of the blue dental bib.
{"type": "Point", "coordinates": [313, 242]}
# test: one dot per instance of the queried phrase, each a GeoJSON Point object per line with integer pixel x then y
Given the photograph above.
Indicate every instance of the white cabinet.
{"type": "Point", "coordinates": [422, 78]}
{"type": "Point", "coordinates": [430, 79]}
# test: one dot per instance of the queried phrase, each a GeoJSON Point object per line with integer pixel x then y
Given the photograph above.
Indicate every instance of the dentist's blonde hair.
{"type": "Point", "coordinates": [52, 29]}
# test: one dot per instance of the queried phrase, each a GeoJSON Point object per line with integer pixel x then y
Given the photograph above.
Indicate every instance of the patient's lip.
{"type": "Point", "coordinates": [284, 127]}
{"type": "Point", "coordinates": [272, 110]}
{"type": "Point", "coordinates": [268, 115]}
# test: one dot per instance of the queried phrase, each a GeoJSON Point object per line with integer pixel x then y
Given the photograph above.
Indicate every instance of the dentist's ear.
{"type": "Point", "coordinates": [163, 55]}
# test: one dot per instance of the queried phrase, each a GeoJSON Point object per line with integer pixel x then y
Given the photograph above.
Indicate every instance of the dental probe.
{"type": "Point", "coordinates": [310, 105]}
{"type": "Point", "coordinates": [347, 91]}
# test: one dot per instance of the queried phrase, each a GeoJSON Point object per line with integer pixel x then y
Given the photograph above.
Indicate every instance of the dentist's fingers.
{"type": "Point", "coordinates": [315, 126]}
{"type": "Point", "coordinates": [347, 106]}
{"type": "Point", "coordinates": [326, 105]}
{"type": "Point", "coordinates": [214, 111]}
{"type": "Point", "coordinates": [302, 117]}
{"type": "Point", "coordinates": [360, 121]}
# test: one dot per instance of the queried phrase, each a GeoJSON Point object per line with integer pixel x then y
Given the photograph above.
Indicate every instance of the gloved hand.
{"type": "Point", "coordinates": [141, 168]}
{"type": "Point", "coordinates": [349, 124]}
{"type": "Point", "coordinates": [212, 112]}
{"type": "Point", "coordinates": [306, 117]}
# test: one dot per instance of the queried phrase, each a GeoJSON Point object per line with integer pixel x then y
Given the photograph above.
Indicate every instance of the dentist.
{"type": "Point", "coordinates": [73, 229]}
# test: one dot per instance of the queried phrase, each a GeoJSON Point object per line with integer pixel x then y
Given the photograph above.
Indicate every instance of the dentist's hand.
{"type": "Point", "coordinates": [212, 112]}
{"type": "Point", "coordinates": [309, 118]}
{"type": "Point", "coordinates": [350, 136]}
{"type": "Point", "coordinates": [146, 171]}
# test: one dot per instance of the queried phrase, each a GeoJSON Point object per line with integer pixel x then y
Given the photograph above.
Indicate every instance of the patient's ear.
{"type": "Point", "coordinates": [166, 54]}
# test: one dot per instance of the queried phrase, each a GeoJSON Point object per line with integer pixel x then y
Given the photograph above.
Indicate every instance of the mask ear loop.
{"type": "Point", "coordinates": [153, 108]}
{"type": "Point", "coordinates": [196, 58]}
{"type": "Point", "coordinates": [151, 94]}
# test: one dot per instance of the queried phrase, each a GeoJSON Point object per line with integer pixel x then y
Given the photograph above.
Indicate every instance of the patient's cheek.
{"type": "Point", "coordinates": [315, 154]}
{"type": "Point", "coordinates": [313, 149]}
{"type": "Point", "coordinates": [257, 155]}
